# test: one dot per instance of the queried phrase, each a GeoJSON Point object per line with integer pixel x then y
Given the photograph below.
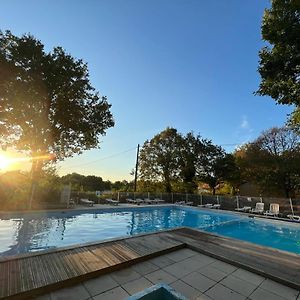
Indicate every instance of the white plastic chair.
{"type": "Point", "coordinates": [273, 210]}
{"type": "Point", "coordinates": [259, 208]}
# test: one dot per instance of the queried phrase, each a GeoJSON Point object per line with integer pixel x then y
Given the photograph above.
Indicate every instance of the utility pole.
{"type": "Point", "coordinates": [136, 166]}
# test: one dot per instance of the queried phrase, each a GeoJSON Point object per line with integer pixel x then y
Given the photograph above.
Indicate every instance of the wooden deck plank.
{"type": "Point", "coordinates": [27, 275]}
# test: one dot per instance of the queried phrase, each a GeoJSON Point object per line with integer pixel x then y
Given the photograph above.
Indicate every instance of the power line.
{"type": "Point", "coordinates": [123, 152]}
{"type": "Point", "coordinates": [103, 158]}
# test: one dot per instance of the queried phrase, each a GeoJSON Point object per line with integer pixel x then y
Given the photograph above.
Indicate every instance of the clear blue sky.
{"type": "Point", "coordinates": [190, 64]}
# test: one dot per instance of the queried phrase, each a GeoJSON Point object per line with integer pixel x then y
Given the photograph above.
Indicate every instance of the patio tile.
{"type": "Point", "coordinates": [222, 266]}
{"type": "Point", "coordinates": [279, 289]}
{"type": "Point", "coordinates": [248, 276]}
{"type": "Point", "coordinates": [198, 281]}
{"type": "Point", "coordinates": [204, 258]}
{"type": "Point", "coordinates": [203, 297]}
{"type": "Point", "coordinates": [238, 285]}
{"type": "Point", "coordinates": [115, 294]}
{"type": "Point", "coordinates": [195, 264]}
{"type": "Point", "coordinates": [160, 276]}
{"type": "Point", "coordinates": [43, 297]}
{"type": "Point", "coordinates": [212, 273]}
{"type": "Point", "coordinates": [220, 292]}
{"type": "Point", "coordinates": [181, 254]}
{"type": "Point", "coordinates": [125, 275]}
{"type": "Point", "coordinates": [261, 294]}
{"type": "Point", "coordinates": [76, 292]}
{"type": "Point", "coordinates": [182, 268]}
{"type": "Point", "coordinates": [161, 261]}
{"type": "Point", "coordinates": [137, 285]}
{"type": "Point", "coordinates": [185, 289]}
{"type": "Point", "coordinates": [100, 284]}
{"type": "Point", "coordinates": [145, 267]}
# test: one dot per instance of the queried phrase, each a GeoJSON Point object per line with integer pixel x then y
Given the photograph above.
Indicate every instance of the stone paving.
{"type": "Point", "coordinates": [196, 276]}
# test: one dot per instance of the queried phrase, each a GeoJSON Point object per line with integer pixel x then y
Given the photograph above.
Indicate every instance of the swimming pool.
{"type": "Point", "coordinates": [39, 231]}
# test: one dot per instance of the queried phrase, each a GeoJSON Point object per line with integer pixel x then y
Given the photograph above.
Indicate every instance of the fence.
{"type": "Point", "coordinates": [287, 206]}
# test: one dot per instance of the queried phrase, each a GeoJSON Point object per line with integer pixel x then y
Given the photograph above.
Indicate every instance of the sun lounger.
{"type": "Point", "coordinates": [157, 200]}
{"type": "Point", "coordinates": [112, 202]}
{"type": "Point", "coordinates": [135, 201]}
{"type": "Point", "coordinates": [244, 209]}
{"type": "Point", "coordinates": [216, 206]}
{"type": "Point", "coordinates": [259, 208]}
{"type": "Point", "coordinates": [294, 217]}
{"type": "Point", "coordinates": [189, 203]}
{"type": "Point", "coordinates": [150, 201]}
{"type": "Point", "coordinates": [87, 202]}
{"type": "Point", "coordinates": [208, 205]}
{"type": "Point", "coordinates": [273, 211]}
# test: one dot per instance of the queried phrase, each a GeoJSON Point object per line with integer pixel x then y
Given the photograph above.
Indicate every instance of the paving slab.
{"type": "Point", "coordinates": [261, 294]}
{"type": "Point", "coordinates": [145, 267]}
{"type": "Point", "coordinates": [160, 276]}
{"type": "Point", "coordinates": [279, 289]}
{"type": "Point", "coordinates": [212, 273]}
{"type": "Point", "coordinates": [198, 281]}
{"type": "Point", "coordinates": [76, 292]}
{"type": "Point", "coordinates": [185, 289]}
{"type": "Point", "coordinates": [179, 255]}
{"type": "Point", "coordinates": [238, 285]}
{"type": "Point", "coordinates": [136, 285]}
{"type": "Point", "coordinates": [115, 294]}
{"type": "Point", "coordinates": [220, 292]}
{"type": "Point", "coordinates": [248, 276]}
{"type": "Point", "coordinates": [161, 261]}
{"type": "Point", "coordinates": [224, 267]}
{"type": "Point", "coordinates": [125, 275]}
{"type": "Point", "coordinates": [100, 284]}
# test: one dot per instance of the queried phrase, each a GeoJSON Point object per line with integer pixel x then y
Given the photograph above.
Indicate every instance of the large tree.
{"type": "Point", "coordinates": [272, 161]}
{"type": "Point", "coordinates": [47, 103]}
{"type": "Point", "coordinates": [159, 158]}
{"type": "Point", "coordinates": [177, 159]}
{"type": "Point", "coordinates": [279, 64]}
{"type": "Point", "coordinates": [192, 151]}
{"type": "Point", "coordinates": [215, 166]}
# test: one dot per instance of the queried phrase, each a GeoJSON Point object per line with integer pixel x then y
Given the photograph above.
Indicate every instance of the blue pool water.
{"type": "Point", "coordinates": [37, 231]}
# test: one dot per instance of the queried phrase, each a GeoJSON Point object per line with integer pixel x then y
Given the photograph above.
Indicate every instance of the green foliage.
{"type": "Point", "coordinates": [272, 161]}
{"type": "Point", "coordinates": [86, 183]}
{"type": "Point", "coordinates": [180, 161]}
{"type": "Point", "coordinates": [159, 158]}
{"type": "Point", "coordinates": [122, 186]}
{"type": "Point", "coordinates": [279, 65]}
{"type": "Point", "coordinates": [215, 166]}
{"type": "Point", "coordinates": [47, 102]}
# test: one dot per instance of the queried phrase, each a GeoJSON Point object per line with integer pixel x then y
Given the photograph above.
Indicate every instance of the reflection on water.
{"type": "Point", "coordinates": [34, 232]}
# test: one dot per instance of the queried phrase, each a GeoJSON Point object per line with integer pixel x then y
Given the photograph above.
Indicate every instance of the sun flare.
{"type": "Point", "coordinates": [4, 162]}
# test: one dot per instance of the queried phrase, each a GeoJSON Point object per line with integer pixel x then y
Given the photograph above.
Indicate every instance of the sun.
{"type": "Point", "coordinates": [4, 162]}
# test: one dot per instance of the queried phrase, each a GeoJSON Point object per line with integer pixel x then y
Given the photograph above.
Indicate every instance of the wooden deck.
{"type": "Point", "coordinates": [32, 274]}
{"type": "Point", "coordinates": [29, 275]}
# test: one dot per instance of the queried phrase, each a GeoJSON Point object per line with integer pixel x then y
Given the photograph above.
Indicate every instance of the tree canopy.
{"type": "Point", "coordinates": [279, 64]}
{"type": "Point", "coordinates": [171, 157]}
{"type": "Point", "coordinates": [159, 158]}
{"type": "Point", "coordinates": [47, 103]}
{"type": "Point", "coordinates": [272, 161]}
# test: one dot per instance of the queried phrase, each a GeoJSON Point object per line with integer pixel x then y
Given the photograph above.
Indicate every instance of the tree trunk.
{"type": "Point", "coordinates": [35, 174]}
